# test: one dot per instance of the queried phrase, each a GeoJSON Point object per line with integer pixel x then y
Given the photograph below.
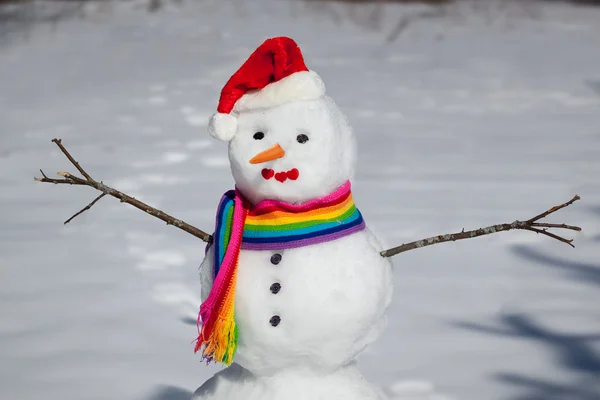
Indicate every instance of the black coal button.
{"type": "Point", "coordinates": [275, 288]}
{"type": "Point", "coordinates": [275, 320]}
{"type": "Point", "coordinates": [276, 258]}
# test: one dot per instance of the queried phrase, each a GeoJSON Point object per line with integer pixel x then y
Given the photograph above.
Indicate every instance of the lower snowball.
{"type": "Point", "coordinates": [237, 383]}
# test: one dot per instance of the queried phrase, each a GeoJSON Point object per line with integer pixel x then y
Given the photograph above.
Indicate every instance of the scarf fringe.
{"type": "Point", "coordinates": [222, 344]}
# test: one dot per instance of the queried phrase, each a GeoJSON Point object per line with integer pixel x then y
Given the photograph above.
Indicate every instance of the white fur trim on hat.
{"type": "Point", "coordinates": [303, 85]}
{"type": "Point", "coordinates": [222, 126]}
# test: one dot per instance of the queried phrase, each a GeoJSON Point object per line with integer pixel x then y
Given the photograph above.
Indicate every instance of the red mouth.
{"type": "Point", "coordinates": [292, 174]}
{"type": "Point", "coordinates": [267, 173]}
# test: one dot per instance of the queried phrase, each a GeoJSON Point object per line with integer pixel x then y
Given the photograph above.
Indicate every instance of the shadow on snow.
{"type": "Point", "coordinates": [580, 271]}
{"type": "Point", "coordinates": [574, 352]}
{"type": "Point", "coordinates": [577, 354]}
{"type": "Point", "coordinates": [170, 393]}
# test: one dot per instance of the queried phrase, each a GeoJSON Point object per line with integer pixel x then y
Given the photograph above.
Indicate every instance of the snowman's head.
{"type": "Point", "coordinates": [294, 152]}
{"type": "Point", "coordinates": [287, 140]}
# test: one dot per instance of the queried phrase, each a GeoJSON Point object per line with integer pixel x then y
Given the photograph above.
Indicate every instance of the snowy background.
{"type": "Point", "coordinates": [466, 114]}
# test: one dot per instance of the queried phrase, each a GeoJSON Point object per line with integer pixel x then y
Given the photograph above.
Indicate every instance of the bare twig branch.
{"type": "Point", "coordinates": [57, 181]}
{"type": "Point", "coordinates": [529, 225]}
{"type": "Point", "coordinates": [75, 163]}
{"type": "Point", "coordinates": [552, 235]}
{"type": "Point", "coordinates": [561, 226]}
{"type": "Point", "coordinates": [85, 208]}
{"type": "Point", "coordinates": [554, 209]}
{"type": "Point", "coordinates": [70, 179]}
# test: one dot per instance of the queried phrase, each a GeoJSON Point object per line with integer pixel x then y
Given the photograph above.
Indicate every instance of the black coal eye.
{"type": "Point", "coordinates": [258, 135]}
{"type": "Point", "coordinates": [302, 138]}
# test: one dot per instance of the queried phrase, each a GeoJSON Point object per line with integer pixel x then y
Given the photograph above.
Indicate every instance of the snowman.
{"type": "Point", "coordinates": [293, 285]}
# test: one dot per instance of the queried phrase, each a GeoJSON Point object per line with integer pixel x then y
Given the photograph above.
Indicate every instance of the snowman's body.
{"type": "Point", "coordinates": [329, 298]}
{"type": "Point", "coordinates": [302, 313]}
{"type": "Point", "coordinates": [330, 303]}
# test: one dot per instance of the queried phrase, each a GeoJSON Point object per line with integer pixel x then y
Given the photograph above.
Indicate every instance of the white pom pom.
{"type": "Point", "coordinates": [222, 126]}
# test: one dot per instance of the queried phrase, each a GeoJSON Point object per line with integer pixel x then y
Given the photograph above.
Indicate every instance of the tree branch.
{"type": "Point", "coordinates": [554, 209]}
{"type": "Point", "coordinates": [85, 208]}
{"type": "Point", "coordinates": [529, 225]}
{"type": "Point", "coordinates": [70, 179]}
{"type": "Point", "coordinates": [75, 163]}
{"type": "Point", "coordinates": [562, 226]}
{"type": "Point", "coordinates": [552, 235]}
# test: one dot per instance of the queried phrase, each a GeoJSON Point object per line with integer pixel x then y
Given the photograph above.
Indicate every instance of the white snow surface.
{"type": "Point", "coordinates": [468, 118]}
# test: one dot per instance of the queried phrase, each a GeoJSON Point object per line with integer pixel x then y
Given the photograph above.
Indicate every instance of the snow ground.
{"type": "Point", "coordinates": [463, 121]}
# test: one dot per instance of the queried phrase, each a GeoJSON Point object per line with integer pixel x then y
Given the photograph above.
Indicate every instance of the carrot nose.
{"type": "Point", "coordinates": [269, 154]}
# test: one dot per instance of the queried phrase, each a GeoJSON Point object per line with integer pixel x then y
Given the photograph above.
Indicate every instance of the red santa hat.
{"type": "Point", "coordinates": [274, 74]}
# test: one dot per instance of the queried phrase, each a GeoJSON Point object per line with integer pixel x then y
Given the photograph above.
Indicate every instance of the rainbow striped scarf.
{"type": "Point", "coordinates": [270, 225]}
